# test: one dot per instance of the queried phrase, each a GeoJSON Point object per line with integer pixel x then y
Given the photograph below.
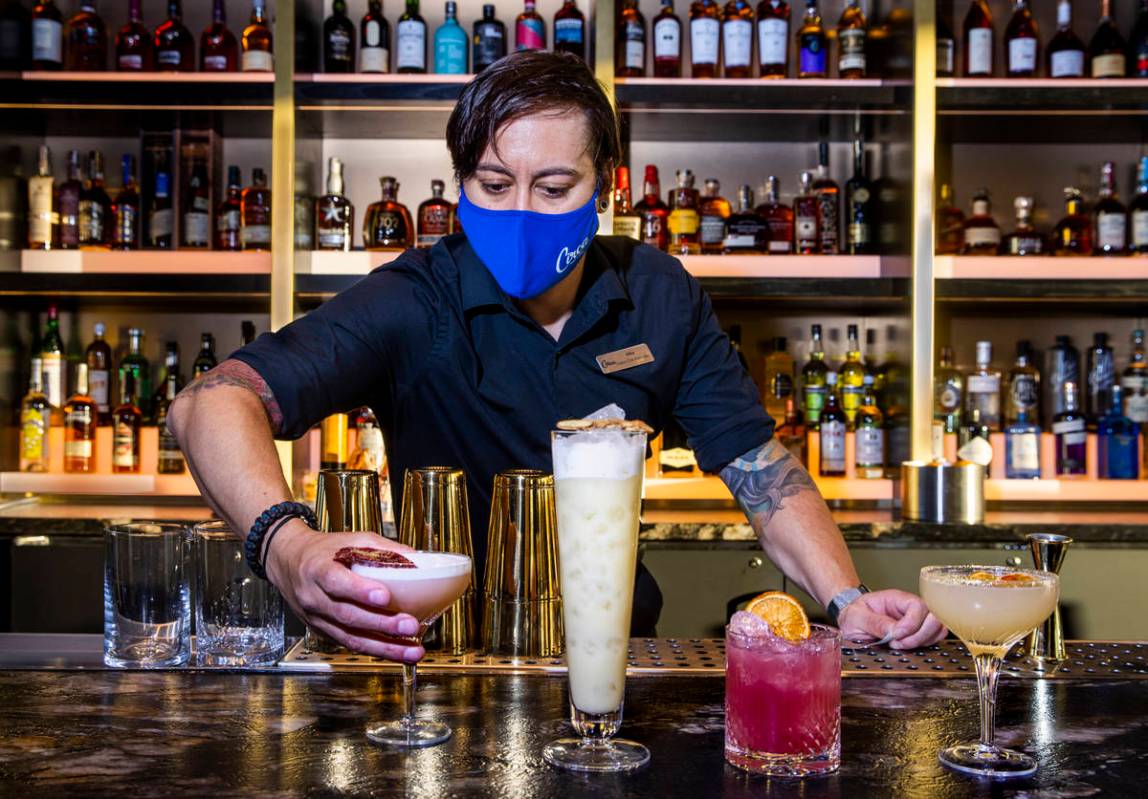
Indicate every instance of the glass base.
{"type": "Point", "coordinates": [411, 734]}
{"type": "Point", "coordinates": [596, 754]}
{"type": "Point", "coordinates": [988, 761]}
{"type": "Point", "coordinates": [771, 765]}
{"type": "Point", "coordinates": [147, 654]}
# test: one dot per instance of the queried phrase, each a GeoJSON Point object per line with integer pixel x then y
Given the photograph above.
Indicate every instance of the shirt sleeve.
{"type": "Point", "coordinates": [356, 349]}
{"type": "Point", "coordinates": [717, 404]}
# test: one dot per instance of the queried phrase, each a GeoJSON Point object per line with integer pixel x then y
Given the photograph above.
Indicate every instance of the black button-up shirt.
{"type": "Point", "coordinates": [459, 376]}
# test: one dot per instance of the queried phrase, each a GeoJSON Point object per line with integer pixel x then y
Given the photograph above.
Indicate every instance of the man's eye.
{"type": "Point", "coordinates": [494, 188]}
{"type": "Point", "coordinates": [554, 192]}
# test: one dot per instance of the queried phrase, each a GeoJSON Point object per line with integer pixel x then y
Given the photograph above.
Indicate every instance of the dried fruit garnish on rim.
{"type": "Point", "coordinates": [372, 556]}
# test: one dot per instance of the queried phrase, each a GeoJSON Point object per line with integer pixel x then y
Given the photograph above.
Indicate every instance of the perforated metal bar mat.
{"type": "Point", "coordinates": [701, 656]}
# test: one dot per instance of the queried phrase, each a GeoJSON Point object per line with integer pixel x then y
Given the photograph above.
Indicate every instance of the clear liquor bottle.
{"type": "Point", "coordinates": [255, 213]}
{"type": "Point", "coordinates": [1065, 49]}
{"type": "Point", "coordinates": [80, 426]}
{"type": "Point", "coordinates": [831, 429]}
{"type": "Point", "coordinates": [1107, 57]}
{"type": "Point", "coordinates": [869, 443]}
{"type": "Point", "coordinates": [35, 421]}
{"type": "Point", "coordinates": [529, 28]}
{"type": "Point", "coordinates": [218, 48]}
{"type": "Point", "coordinates": [852, 32]}
{"type": "Point", "coordinates": [1138, 211]}
{"type": "Point", "coordinates": [977, 52]}
{"type": "Point", "coordinates": [814, 379]}
{"type": "Point", "coordinates": [98, 359]}
{"type": "Point", "coordinates": [134, 51]}
{"type": "Point", "coordinates": [806, 238]}
{"type": "Point", "coordinates": [1111, 233]}
{"type": "Point", "coordinates": [852, 376]}
{"type": "Point", "coordinates": [434, 216]}
{"type": "Point", "coordinates": [174, 44]}
{"type": "Point", "coordinates": [714, 215]}
{"type": "Point", "coordinates": [411, 41]}
{"type": "Point", "coordinates": [387, 224]}
{"type": "Point", "coordinates": [85, 40]}
{"type": "Point", "coordinates": [338, 40]}
{"type": "Point", "coordinates": [950, 224]}
{"type": "Point", "coordinates": [1134, 381]}
{"type": "Point", "coordinates": [948, 393]}
{"type": "Point", "coordinates": [654, 213]}
{"type": "Point", "coordinates": [126, 208]}
{"type": "Point", "coordinates": [812, 61]}
{"type": "Point", "coordinates": [375, 40]}
{"type": "Point", "coordinates": [334, 213]}
{"type": "Point", "coordinates": [257, 42]}
{"type": "Point", "coordinates": [746, 233]}
{"type": "Point", "coordinates": [1024, 238]}
{"type": "Point", "coordinates": [627, 222]}
{"type": "Point", "coordinates": [1070, 436]}
{"type": "Point", "coordinates": [1023, 394]}
{"type": "Point", "coordinates": [127, 418]}
{"type": "Point", "coordinates": [1100, 377]}
{"type": "Point", "coordinates": [773, 38]}
{"type": "Point", "coordinates": [229, 213]}
{"type": "Point", "coordinates": [96, 221]}
{"type": "Point", "coordinates": [205, 361]}
{"type": "Point", "coordinates": [1073, 233]}
{"type": "Point", "coordinates": [684, 221]}
{"type": "Point", "coordinates": [983, 388]}
{"type": "Point", "coordinates": [828, 195]}
{"type": "Point", "coordinates": [737, 39]}
{"type": "Point", "coordinates": [779, 378]}
{"type": "Point", "coordinates": [982, 234]}
{"type": "Point", "coordinates": [778, 218]}
{"type": "Point", "coordinates": [667, 39]}
{"type": "Point", "coordinates": [1022, 42]}
{"type": "Point", "coordinates": [42, 218]}
{"type": "Point", "coordinates": [1117, 442]}
{"type": "Point", "coordinates": [705, 38]}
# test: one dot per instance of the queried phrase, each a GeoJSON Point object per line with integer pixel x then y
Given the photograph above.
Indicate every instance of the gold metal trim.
{"type": "Point", "coordinates": [282, 308]}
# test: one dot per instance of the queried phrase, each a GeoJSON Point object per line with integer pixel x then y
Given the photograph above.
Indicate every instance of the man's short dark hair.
{"type": "Point", "coordinates": [525, 83]}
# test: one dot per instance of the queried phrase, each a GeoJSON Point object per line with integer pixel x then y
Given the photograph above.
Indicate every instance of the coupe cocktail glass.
{"type": "Point", "coordinates": [989, 608]}
{"type": "Point", "coordinates": [438, 579]}
{"type": "Point", "coordinates": [598, 490]}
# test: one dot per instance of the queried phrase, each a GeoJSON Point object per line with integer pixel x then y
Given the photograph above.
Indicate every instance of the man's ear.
{"type": "Point", "coordinates": [605, 187]}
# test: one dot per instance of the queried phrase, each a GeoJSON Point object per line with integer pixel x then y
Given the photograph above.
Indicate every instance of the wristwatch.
{"type": "Point", "coordinates": [839, 602]}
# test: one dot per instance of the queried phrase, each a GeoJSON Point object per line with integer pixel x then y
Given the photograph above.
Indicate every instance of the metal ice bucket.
{"type": "Point", "coordinates": [940, 492]}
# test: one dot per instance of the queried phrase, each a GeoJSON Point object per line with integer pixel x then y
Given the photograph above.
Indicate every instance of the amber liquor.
{"type": "Point", "coordinates": [98, 359]}
{"type": "Point", "coordinates": [1073, 233]}
{"type": "Point", "coordinates": [134, 51]}
{"type": "Point", "coordinates": [828, 204]}
{"type": "Point", "coordinates": [68, 203]}
{"type": "Point", "coordinates": [982, 234]}
{"type": "Point", "coordinates": [126, 209]}
{"type": "Point", "coordinates": [126, 422]}
{"type": "Point", "coordinates": [655, 214]}
{"type": "Point", "coordinates": [174, 45]}
{"type": "Point", "coordinates": [387, 224]}
{"type": "Point", "coordinates": [852, 31]}
{"type": "Point", "coordinates": [218, 49]}
{"type": "Point", "coordinates": [47, 36]}
{"type": "Point", "coordinates": [778, 217]}
{"type": "Point", "coordinates": [196, 227]}
{"type": "Point", "coordinates": [1106, 51]}
{"type": "Point", "coordinates": [334, 213]}
{"type": "Point", "coordinates": [737, 39]}
{"type": "Point", "coordinates": [1065, 49]}
{"type": "Point", "coordinates": [630, 47]}
{"type": "Point", "coordinates": [1111, 233]}
{"type": "Point", "coordinates": [80, 416]}
{"type": "Point", "coordinates": [229, 213]}
{"type": "Point", "coordinates": [773, 38]}
{"type": "Point", "coordinates": [684, 221]}
{"type": "Point", "coordinates": [434, 216]}
{"type": "Point", "coordinates": [977, 52]}
{"type": "Point", "coordinates": [627, 221]}
{"type": "Point", "coordinates": [667, 42]}
{"type": "Point", "coordinates": [805, 233]}
{"type": "Point", "coordinates": [257, 50]}
{"type": "Point", "coordinates": [746, 232]}
{"type": "Point", "coordinates": [950, 224]}
{"type": "Point", "coordinates": [812, 61]}
{"type": "Point", "coordinates": [1022, 42]}
{"type": "Point", "coordinates": [1024, 239]}
{"type": "Point", "coordinates": [705, 38]}
{"type": "Point", "coordinates": [255, 203]}
{"type": "Point", "coordinates": [95, 207]}
{"type": "Point", "coordinates": [85, 41]}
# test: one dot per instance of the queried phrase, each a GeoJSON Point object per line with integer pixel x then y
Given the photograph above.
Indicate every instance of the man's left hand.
{"type": "Point", "coordinates": [879, 614]}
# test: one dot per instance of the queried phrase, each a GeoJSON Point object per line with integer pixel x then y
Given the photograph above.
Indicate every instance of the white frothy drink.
{"type": "Point", "coordinates": [598, 488]}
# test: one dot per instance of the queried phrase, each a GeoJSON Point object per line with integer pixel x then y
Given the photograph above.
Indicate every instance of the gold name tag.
{"type": "Point", "coordinates": [625, 359]}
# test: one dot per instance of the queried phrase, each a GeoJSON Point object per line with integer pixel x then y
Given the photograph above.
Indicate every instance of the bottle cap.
{"type": "Point", "coordinates": [100, 328]}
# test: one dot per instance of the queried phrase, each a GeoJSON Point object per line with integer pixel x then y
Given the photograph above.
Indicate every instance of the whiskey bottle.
{"type": "Point", "coordinates": [255, 213]}
{"type": "Point", "coordinates": [1065, 50]}
{"type": "Point", "coordinates": [205, 361]}
{"type": "Point", "coordinates": [1024, 239]}
{"type": "Point", "coordinates": [387, 224]}
{"type": "Point", "coordinates": [1106, 51]}
{"type": "Point", "coordinates": [946, 48]}
{"type": "Point", "coordinates": [171, 371]}
{"type": "Point", "coordinates": [375, 36]}
{"type": "Point", "coordinates": [338, 40]}
{"type": "Point", "coordinates": [85, 41]}
{"type": "Point", "coordinates": [47, 36]}
{"type": "Point", "coordinates": [333, 442]}
{"type": "Point", "coordinates": [489, 39]}
{"type": "Point", "coordinates": [684, 221]}
{"type": "Point", "coordinates": [134, 52]}
{"type": "Point", "coordinates": [98, 359]}
{"type": "Point", "coordinates": [791, 434]}
{"type": "Point", "coordinates": [41, 214]}
{"type": "Point", "coordinates": [80, 426]}
{"type": "Point", "coordinates": [1100, 377]}
{"type": "Point", "coordinates": [746, 232]}
{"type": "Point", "coordinates": [629, 59]}
{"type": "Point", "coordinates": [948, 393]}
{"type": "Point", "coordinates": [828, 204]}
{"type": "Point", "coordinates": [950, 224]}
{"type": "Point", "coordinates": [983, 387]}
{"type": "Point", "coordinates": [1070, 436]}
{"type": "Point", "coordinates": [229, 213]}
{"type": "Point", "coordinates": [780, 379]}
{"type": "Point", "coordinates": [870, 435]}
{"type": "Point", "coordinates": [529, 29]}
{"type": "Point", "coordinates": [308, 49]}
{"type": "Point", "coordinates": [257, 44]}
{"type": "Point", "coordinates": [859, 205]}
{"type": "Point", "coordinates": [570, 30]}
{"type": "Point", "coordinates": [1061, 365]}
{"type": "Point", "coordinates": [35, 420]}
{"type": "Point", "coordinates": [161, 218]}
{"type": "Point", "coordinates": [1138, 44]}
{"type": "Point", "coordinates": [334, 213]}
{"type": "Point", "coordinates": [832, 431]}
{"type": "Point", "coordinates": [1117, 443]}
{"type": "Point", "coordinates": [1022, 401]}
{"type": "Point", "coordinates": [982, 234]}
{"type": "Point", "coordinates": [852, 376]}
{"type": "Point", "coordinates": [654, 213]}
{"type": "Point", "coordinates": [170, 457]}
{"type": "Point", "coordinates": [667, 42]}
{"type": "Point", "coordinates": [450, 44]}
{"type": "Point", "coordinates": [196, 227]}
{"type": "Point", "coordinates": [805, 232]}
{"type": "Point", "coordinates": [1073, 233]}
{"type": "Point", "coordinates": [814, 378]}
{"type": "Point", "coordinates": [627, 222]}
{"type": "Point", "coordinates": [303, 211]}
{"type": "Point", "coordinates": [852, 31]}
{"type": "Point", "coordinates": [15, 38]}
{"type": "Point", "coordinates": [1111, 234]}
{"type": "Point", "coordinates": [434, 217]}
{"type": "Point", "coordinates": [411, 41]}
{"type": "Point", "coordinates": [174, 45]}
{"type": "Point", "coordinates": [126, 208]}
{"type": "Point", "coordinates": [127, 419]}
{"type": "Point", "coordinates": [96, 220]}
{"type": "Point", "coordinates": [1138, 211]}
{"type": "Point", "coordinates": [1022, 42]}
{"type": "Point", "coordinates": [705, 38]}
{"type": "Point", "coordinates": [977, 53]}
{"type": "Point", "coordinates": [676, 458]}
{"type": "Point", "coordinates": [737, 39]}
{"type": "Point", "coordinates": [773, 38]}
{"type": "Point", "coordinates": [218, 49]}
{"type": "Point", "coordinates": [68, 203]}
{"type": "Point", "coordinates": [811, 45]}
{"type": "Point", "coordinates": [1134, 381]}
{"type": "Point", "coordinates": [778, 217]}
{"type": "Point", "coordinates": [714, 214]}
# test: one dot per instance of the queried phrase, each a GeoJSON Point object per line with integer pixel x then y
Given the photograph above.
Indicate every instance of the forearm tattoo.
{"type": "Point", "coordinates": [237, 373]}
{"type": "Point", "coordinates": [762, 479]}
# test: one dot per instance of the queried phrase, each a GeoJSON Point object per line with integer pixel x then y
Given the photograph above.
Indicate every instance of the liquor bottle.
{"type": "Point", "coordinates": [778, 218]}
{"type": "Point", "coordinates": [255, 213]}
{"type": "Point", "coordinates": [946, 48]}
{"type": "Point", "coordinates": [127, 419]}
{"type": "Point", "coordinates": [171, 371]}
{"type": "Point", "coordinates": [805, 233]}
{"type": "Point", "coordinates": [629, 41]}
{"type": "Point", "coordinates": [811, 45]}
{"type": "Point", "coordinates": [1061, 365]}
{"type": "Point", "coordinates": [852, 376]}
{"type": "Point", "coordinates": [52, 361]}
{"type": "Point", "coordinates": [15, 37]}
{"type": "Point", "coordinates": [205, 361]}
{"type": "Point", "coordinates": [627, 221]}
{"type": "Point", "coordinates": [303, 210]}
{"type": "Point", "coordinates": [161, 219]}
{"type": "Point", "coordinates": [1138, 44]}
{"type": "Point", "coordinates": [684, 221]}
{"type": "Point", "coordinates": [667, 42]}
{"type": "Point", "coordinates": [1138, 210]}
{"type": "Point", "coordinates": [411, 41]}
{"type": "Point", "coordinates": [1022, 450]}
{"type": "Point", "coordinates": [174, 45]}
{"type": "Point", "coordinates": [859, 205]}
{"type": "Point", "coordinates": [489, 39]}
{"type": "Point", "coordinates": [973, 441]}
{"type": "Point", "coordinates": [948, 393]}
{"type": "Point", "coordinates": [1024, 239]}
{"type": "Point", "coordinates": [852, 31]}
{"type": "Point", "coordinates": [1106, 51]}
{"type": "Point", "coordinates": [218, 49]}
{"type": "Point", "coordinates": [434, 217]}
{"type": "Point", "coordinates": [982, 234]}
{"type": "Point", "coordinates": [746, 232]}
{"type": "Point", "coordinates": [80, 426]}
{"type": "Point", "coordinates": [196, 228]}
{"type": "Point", "coordinates": [96, 221]}
{"type": "Point", "coordinates": [529, 29]}
{"type": "Point", "coordinates": [126, 208]}
{"type": "Point", "coordinates": [247, 333]}
{"type": "Point", "coordinates": [47, 36]}
{"type": "Point", "coordinates": [1111, 234]}
{"type": "Point", "coordinates": [229, 213]}
{"type": "Point", "coordinates": [35, 419]}
{"type": "Point", "coordinates": [257, 44]}
{"type": "Point", "coordinates": [676, 458]}
{"type": "Point", "coordinates": [334, 213]}
{"type": "Point", "coordinates": [41, 215]}
{"type": "Point", "coordinates": [338, 40]}
{"type": "Point", "coordinates": [773, 38]}
{"type": "Point", "coordinates": [387, 224]}
{"type": "Point", "coordinates": [1065, 50]}
{"type": "Point", "coordinates": [1073, 233]}
{"type": "Point", "coordinates": [983, 387]}
{"type": "Point", "coordinates": [1070, 435]}
{"type": "Point", "coordinates": [333, 442]}
{"type": "Point", "coordinates": [68, 203]}
{"type": "Point", "coordinates": [98, 360]}
{"type": "Point", "coordinates": [831, 426]}
{"type": "Point", "coordinates": [828, 204]}
{"type": "Point", "coordinates": [714, 212]}
{"type": "Point", "coordinates": [869, 444]}
{"type": "Point", "coordinates": [780, 379]}
{"type": "Point", "coordinates": [737, 39]}
{"type": "Point", "coordinates": [450, 44]}
{"type": "Point", "coordinates": [170, 458]}
{"type": "Point", "coordinates": [654, 213]}
{"type": "Point", "coordinates": [1100, 377]}
{"type": "Point", "coordinates": [570, 30]}
{"type": "Point", "coordinates": [134, 52]}
{"type": "Point", "coordinates": [1134, 381]}
{"type": "Point", "coordinates": [791, 433]}
{"type": "Point", "coordinates": [1117, 442]}
{"type": "Point", "coordinates": [977, 53]}
{"type": "Point", "coordinates": [1022, 42]}
{"type": "Point", "coordinates": [375, 35]}
{"type": "Point", "coordinates": [85, 41]}
{"type": "Point", "coordinates": [814, 378]}
{"type": "Point", "coordinates": [307, 47]}
{"type": "Point", "coordinates": [1022, 399]}
{"type": "Point", "coordinates": [705, 38]}
{"type": "Point", "coordinates": [950, 224]}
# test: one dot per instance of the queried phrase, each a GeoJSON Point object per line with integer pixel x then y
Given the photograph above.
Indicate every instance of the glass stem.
{"type": "Point", "coordinates": [409, 683]}
{"type": "Point", "coordinates": [988, 669]}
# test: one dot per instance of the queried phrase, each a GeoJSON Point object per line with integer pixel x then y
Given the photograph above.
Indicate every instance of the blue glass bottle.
{"type": "Point", "coordinates": [1069, 430]}
{"type": "Point", "coordinates": [1118, 440]}
{"type": "Point", "coordinates": [1022, 450]}
{"type": "Point", "coordinates": [450, 44]}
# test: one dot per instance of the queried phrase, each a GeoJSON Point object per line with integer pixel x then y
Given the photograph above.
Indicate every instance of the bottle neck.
{"type": "Point", "coordinates": [1064, 14]}
{"type": "Point", "coordinates": [174, 11]}
{"type": "Point", "coordinates": [218, 12]}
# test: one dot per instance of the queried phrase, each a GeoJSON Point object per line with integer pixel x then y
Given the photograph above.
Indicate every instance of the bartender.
{"type": "Point", "coordinates": [469, 353]}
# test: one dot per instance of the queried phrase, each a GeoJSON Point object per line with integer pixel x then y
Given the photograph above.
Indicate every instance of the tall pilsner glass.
{"type": "Point", "coordinates": [598, 489]}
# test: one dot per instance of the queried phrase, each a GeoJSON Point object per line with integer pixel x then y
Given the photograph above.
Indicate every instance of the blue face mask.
{"type": "Point", "coordinates": [528, 252]}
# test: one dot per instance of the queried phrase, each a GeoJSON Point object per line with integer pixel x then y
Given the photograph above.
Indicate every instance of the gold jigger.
{"type": "Point", "coordinates": [522, 605]}
{"type": "Point", "coordinates": [346, 500]}
{"type": "Point", "coordinates": [436, 518]}
{"type": "Point", "coordinates": [1045, 644]}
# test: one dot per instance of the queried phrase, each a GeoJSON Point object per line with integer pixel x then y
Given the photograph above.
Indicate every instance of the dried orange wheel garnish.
{"type": "Point", "coordinates": [984, 577]}
{"type": "Point", "coordinates": [784, 615]}
{"type": "Point", "coordinates": [1018, 577]}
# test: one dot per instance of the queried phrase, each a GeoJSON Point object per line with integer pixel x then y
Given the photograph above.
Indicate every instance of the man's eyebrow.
{"type": "Point", "coordinates": [552, 171]}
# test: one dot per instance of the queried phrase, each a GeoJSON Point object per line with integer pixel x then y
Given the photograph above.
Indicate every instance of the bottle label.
{"type": "Point", "coordinates": [92, 222]}
{"type": "Point", "coordinates": [568, 31]}
{"type": "Point", "coordinates": [127, 223]}
{"type": "Point", "coordinates": [704, 35]}
{"type": "Point", "coordinates": [530, 34]}
{"type": "Point", "coordinates": [667, 39]}
{"type": "Point", "coordinates": [1068, 64]}
{"type": "Point", "coordinates": [678, 459]}
{"type": "Point", "coordinates": [1071, 431]}
{"type": "Point", "coordinates": [33, 435]}
{"type": "Point", "coordinates": [255, 235]}
{"type": "Point", "coordinates": [196, 229]}
{"type": "Point", "coordinates": [982, 236]}
{"type": "Point", "coordinates": [773, 42]}
{"type": "Point", "coordinates": [1111, 231]}
{"type": "Point", "coordinates": [450, 56]}
{"type": "Point", "coordinates": [859, 233]}
{"type": "Point", "coordinates": [374, 59]}
{"type": "Point", "coordinates": [777, 245]}
{"type": "Point", "coordinates": [781, 387]}
{"type": "Point", "coordinates": [805, 228]}
{"type": "Point", "coordinates": [984, 384]}
{"type": "Point", "coordinates": [40, 211]}
{"type": "Point", "coordinates": [161, 223]}
{"type": "Point", "coordinates": [949, 397]}
{"type": "Point", "coordinates": [712, 230]}
{"type": "Point", "coordinates": [78, 448]}
{"type": "Point", "coordinates": [737, 36]}
{"type": "Point", "coordinates": [123, 446]}
{"type": "Point", "coordinates": [332, 239]}
{"type": "Point", "coordinates": [814, 402]}
{"type": "Point", "coordinates": [1135, 388]}
{"type": "Point", "coordinates": [833, 446]}
{"type": "Point", "coordinates": [53, 366]}
{"type": "Point", "coordinates": [683, 222]}
{"type": "Point", "coordinates": [1140, 229]}
{"type": "Point", "coordinates": [827, 214]}
{"type": "Point", "coordinates": [47, 40]}
{"type": "Point", "coordinates": [339, 45]}
{"type": "Point", "coordinates": [635, 54]}
{"type": "Point", "coordinates": [870, 446]}
{"type": "Point", "coordinates": [980, 51]}
{"type": "Point", "coordinates": [130, 62]}
{"type": "Point", "coordinates": [1025, 394]}
{"type": "Point", "coordinates": [169, 58]}
{"type": "Point", "coordinates": [227, 222]}
{"type": "Point", "coordinates": [628, 226]}
{"type": "Point", "coordinates": [1108, 66]}
{"type": "Point", "coordinates": [1022, 55]}
{"type": "Point", "coordinates": [98, 385]}
{"type": "Point", "coordinates": [410, 39]}
{"type": "Point", "coordinates": [257, 61]}
{"type": "Point", "coordinates": [1024, 452]}
{"type": "Point", "coordinates": [851, 397]}
{"type": "Point", "coordinates": [739, 241]}
{"type": "Point", "coordinates": [372, 34]}
{"type": "Point", "coordinates": [215, 63]}
{"type": "Point", "coordinates": [852, 50]}
{"type": "Point", "coordinates": [812, 58]}
{"type": "Point", "coordinates": [945, 51]}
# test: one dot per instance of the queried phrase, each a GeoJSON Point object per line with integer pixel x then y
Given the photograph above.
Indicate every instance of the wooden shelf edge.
{"type": "Point", "coordinates": [835, 83]}
{"type": "Point", "coordinates": [1044, 268]}
{"type": "Point", "coordinates": [710, 487]}
{"type": "Point", "coordinates": [1041, 83]}
{"type": "Point", "coordinates": [150, 77]}
{"type": "Point", "coordinates": [99, 484]}
{"type": "Point", "coordinates": [355, 263]}
{"type": "Point", "coordinates": [140, 262]}
{"type": "Point", "coordinates": [384, 78]}
{"type": "Point", "coordinates": [796, 266]}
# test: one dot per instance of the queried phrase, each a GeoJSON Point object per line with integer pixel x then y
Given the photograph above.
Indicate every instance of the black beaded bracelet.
{"type": "Point", "coordinates": [254, 546]}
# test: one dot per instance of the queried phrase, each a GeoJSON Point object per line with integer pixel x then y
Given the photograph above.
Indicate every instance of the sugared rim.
{"type": "Point", "coordinates": [963, 575]}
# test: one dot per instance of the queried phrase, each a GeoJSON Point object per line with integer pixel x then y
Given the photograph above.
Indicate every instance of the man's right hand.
{"type": "Point", "coordinates": [334, 600]}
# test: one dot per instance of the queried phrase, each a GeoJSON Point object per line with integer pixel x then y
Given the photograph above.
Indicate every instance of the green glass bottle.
{"type": "Point", "coordinates": [870, 435]}
{"type": "Point", "coordinates": [813, 381]}
{"type": "Point", "coordinates": [852, 378]}
{"type": "Point", "coordinates": [137, 365]}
